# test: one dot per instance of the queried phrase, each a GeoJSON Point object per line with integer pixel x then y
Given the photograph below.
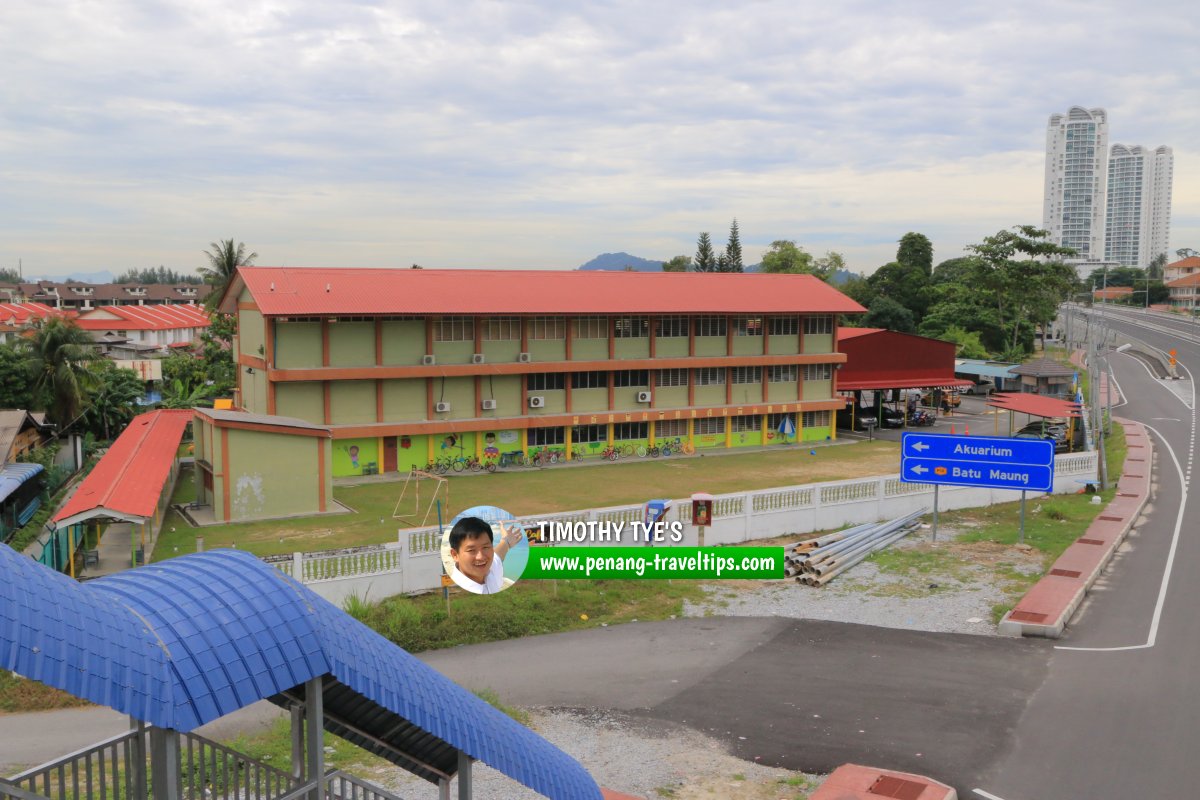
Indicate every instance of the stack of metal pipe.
{"type": "Point", "coordinates": [817, 561]}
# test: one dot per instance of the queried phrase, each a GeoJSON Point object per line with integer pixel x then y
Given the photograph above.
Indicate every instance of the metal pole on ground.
{"type": "Point", "coordinates": [935, 510]}
{"type": "Point", "coordinates": [1021, 539]}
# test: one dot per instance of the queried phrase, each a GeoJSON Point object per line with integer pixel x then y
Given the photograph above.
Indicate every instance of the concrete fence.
{"type": "Point", "coordinates": [413, 564]}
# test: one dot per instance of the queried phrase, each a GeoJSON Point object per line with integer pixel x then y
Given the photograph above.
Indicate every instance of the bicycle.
{"type": "Point", "coordinates": [627, 450]}
{"type": "Point", "coordinates": [642, 451]}
{"type": "Point", "coordinates": [665, 449]}
{"type": "Point", "coordinates": [577, 454]}
{"type": "Point", "coordinates": [610, 454]}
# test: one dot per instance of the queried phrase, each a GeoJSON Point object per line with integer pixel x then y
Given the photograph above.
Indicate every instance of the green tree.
{"type": "Point", "coordinates": [955, 270]}
{"type": "Point", "coordinates": [8, 275]}
{"type": "Point", "coordinates": [177, 394]}
{"type": "Point", "coordinates": [967, 343]}
{"type": "Point", "coordinates": [887, 313]}
{"type": "Point", "coordinates": [217, 343]}
{"type": "Point", "coordinates": [786, 258]}
{"type": "Point", "coordinates": [1115, 276]}
{"type": "Point", "coordinates": [114, 402]}
{"type": "Point", "coordinates": [731, 260]}
{"type": "Point", "coordinates": [829, 265]}
{"type": "Point", "coordinates": [14, 378]}
{"type": "Point", "coordinates": [678, 264]}
{"type": "Point", "coordinates": [1156, 267]}
{"type": "Point", "coordinates": [60, 355]}
{"type": "Point", "coordinates": [1186, 252]}
{"type": "Point", "coordinates": [223, 262]}
{"type": "Point", "coordinates": [916, 251]}
{"type": "Point", "coordinates": [159, 276]}
{"type": "Point", "coordinates": [1022, 272]}
{"type": "Point", "coordinates": [706, 260]}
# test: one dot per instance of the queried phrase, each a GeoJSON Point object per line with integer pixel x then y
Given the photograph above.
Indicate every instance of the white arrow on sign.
{"type": "Point", "coordinates": [920, 470]}
{"type": "Point", "coordinates": [919, 446]}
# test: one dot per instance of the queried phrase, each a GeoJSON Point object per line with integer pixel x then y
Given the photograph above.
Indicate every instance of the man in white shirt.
{"type": "Point", "coordinates": [478, 562]}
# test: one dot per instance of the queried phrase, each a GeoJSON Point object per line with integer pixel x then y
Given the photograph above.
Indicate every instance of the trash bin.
{"type": "Point", "coordinates": [139, 556]}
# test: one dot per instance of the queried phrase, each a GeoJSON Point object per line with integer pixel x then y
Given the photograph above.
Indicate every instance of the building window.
{"type": "Point", "coordinates": [584, 434]}
{"type": "Point", "coordinates": [624, 431]}
{"type": "Point", "coordinates": [816, 419]}
{"type": "Point", "coordinates": [671, 327]}
{"type": "Point", "coordinates": [818, 372]}
{"type": "Point", "coordinates": [589, 380]}
{"type": "Point", "coordinates": [499, 329]}
{"type": "Point", "coordinates": [670, 427]}
{"type": "Point", "coordinates": [783, 326]}
{"type": "Point", "coordinates": [785, 373]}
{"type": "Point", "coordinates": [454, 329]}
{"type": "Point", "coordinates": [818, 324]}
{"type": "Point", "coordinates": [710, 376]}
{"type": "Point", "coordinates": [775, 420]}
{"type": "Point", "coordinates": [591, 327]}
{"type": "Point", "coordinates": [548, 328]}
{"type": "Point", "coordinates": [747, 326]}
{"type": "Point", "coordinates": [546, 381]}
{"type": "Point", "coordinates": [540, 437]}
{"type": "Point", "coordinates": [631, 327]}
{"type": "Point", "coordinates": [746, 424]}
{"type": "Point", "coordinates": [631, 377]}
{"type": "Point", "coordinates": [745, 375]}
{"type": "Point", "coordinates": [710, 326]}
{"type": "Point", "coordinates": [671, 377]}
{"type": "Point", "coordinates": [710, 425]}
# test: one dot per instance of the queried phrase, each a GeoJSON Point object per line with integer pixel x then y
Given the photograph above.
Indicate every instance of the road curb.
{"type": "Point", "coordinates": [1049, 605]}
{"type": "Point", "coordinates": [855, 782]}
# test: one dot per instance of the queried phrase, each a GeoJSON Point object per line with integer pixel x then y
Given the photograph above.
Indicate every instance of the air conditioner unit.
{"type": "Point", "coordinates": [537, 402]}
{"type": "Point", "coordinates": [524, 358]}
{"type": "Point", "coordinates": [441, 407]}
{"type": "Point", "coordinates": [478, 358]}
{"type": "Point", "coordinates": [428, 360]}
{"type": "Point", "coordinates": [488, 405]}
{"type": "Point", "coordinates": [645, 397]}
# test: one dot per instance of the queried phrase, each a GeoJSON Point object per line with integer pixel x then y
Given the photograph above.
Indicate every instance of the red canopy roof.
{"type": "Point", "coordinates": [128, 481]}
{"type": "Point", "coordinates": [302, 291]}
{"type": "Point", "coordinates": [143, 318]}
{"type": "Point", "coordinates": [1035, 404]}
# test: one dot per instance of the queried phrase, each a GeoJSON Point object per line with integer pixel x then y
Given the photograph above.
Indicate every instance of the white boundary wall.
{"type": "Point", "coordinates": [413, 564]}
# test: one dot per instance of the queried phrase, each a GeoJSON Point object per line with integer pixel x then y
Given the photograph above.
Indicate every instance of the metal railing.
{"type": "Point", "coordinates": [212, 771]}
{"type": "Point", "coordinates": [339, 785]}
{"type": "Point", "coordinates": [117, 768]}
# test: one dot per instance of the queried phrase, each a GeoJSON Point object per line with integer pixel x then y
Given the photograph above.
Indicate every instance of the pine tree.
{"type": "Point", "coordinates": [706, 260]}
{"type": "Point", "coordinates": [732, 261]}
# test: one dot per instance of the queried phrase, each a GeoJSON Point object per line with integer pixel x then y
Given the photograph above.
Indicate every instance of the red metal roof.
{"type": "Point", "coordinates": [143, 318]}
{"type": "Point", "coordinates": [128, 480]}
{"type": "Point", "coordinates": [853, 333]}
{"type": "Point", "coordinates": [316, 291]}
{"type": "Point", "coordinates": [1186, 280]}
{"type": "Point", "coordinates": [22, 313]}
{"type": "Point", "coordinates": [1035, 404]}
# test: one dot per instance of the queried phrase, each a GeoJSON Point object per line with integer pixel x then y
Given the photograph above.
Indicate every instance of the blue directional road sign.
{"type": "Point", "coordinates": [985, 461]}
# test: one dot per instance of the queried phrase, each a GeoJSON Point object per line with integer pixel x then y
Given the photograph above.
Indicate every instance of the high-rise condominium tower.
{"type": "Point", "coordinates": [1138, 211]}
{"type": "Point", "coordinates": [1076, 171]}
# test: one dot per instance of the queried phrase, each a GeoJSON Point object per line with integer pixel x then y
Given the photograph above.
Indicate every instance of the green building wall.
{"type": "Point", "coordinates": [351, 344]}
{"type": "Point", "coordinates": [270, 475]}
{"type": "Point", "coordinates": [403, 342]}
{"type": "Point", "coordinates": [351, 401]}
{"type": "Point", "coordinates": [404, 400]}
{"type": "Point", "coordinates": [297, 345]}
{"type": "Point", "coordinates": [303, 400]}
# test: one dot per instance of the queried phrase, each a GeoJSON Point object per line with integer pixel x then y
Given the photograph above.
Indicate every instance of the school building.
{"type": "Point", "coordinates": [390, 369]}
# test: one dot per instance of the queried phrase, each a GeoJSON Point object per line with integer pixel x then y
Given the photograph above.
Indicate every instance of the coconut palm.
{"type": "Point", "coordinates": [223, 261]}
{"type": "Point", "coordinates": [60, 355]}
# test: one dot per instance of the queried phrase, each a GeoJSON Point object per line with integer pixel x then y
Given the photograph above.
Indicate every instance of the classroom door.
{"type": "Point", "coordinates": [389, 454]}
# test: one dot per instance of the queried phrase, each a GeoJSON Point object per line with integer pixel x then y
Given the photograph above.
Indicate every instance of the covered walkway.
{"type": "Point", "coordinates": [179, 644]}
{"type": "Point", "coordinates": [131, 484]}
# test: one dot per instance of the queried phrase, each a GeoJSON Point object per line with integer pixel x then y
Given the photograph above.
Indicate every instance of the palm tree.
{"type": "Point", "coordinates": [60, 354]}
{"type": "Point", "coordinates": [223, 262]}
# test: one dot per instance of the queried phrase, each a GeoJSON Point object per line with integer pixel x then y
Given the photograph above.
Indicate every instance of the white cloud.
{"type": "Point", "coordinates": [539, 134]}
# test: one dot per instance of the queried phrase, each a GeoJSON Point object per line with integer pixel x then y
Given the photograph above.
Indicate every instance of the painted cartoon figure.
{"type": "Point", "coordinates": [353, 453]}
{"type": "Point", "coordinates": [449, 442]}
{"type": "Point", "coordinates": [489, 445]}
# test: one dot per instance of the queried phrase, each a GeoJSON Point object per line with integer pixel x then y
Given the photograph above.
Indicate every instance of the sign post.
{"type": "Point", "coordinates": [1026, 465]}
{"type": "Point", "coordinates": [702, 507]}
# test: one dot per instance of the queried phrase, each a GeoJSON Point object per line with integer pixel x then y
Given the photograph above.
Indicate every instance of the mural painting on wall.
{"type": "Point", "coordinates": [352, 456]}
{"type": "Point", "coordinates": [493, 439]}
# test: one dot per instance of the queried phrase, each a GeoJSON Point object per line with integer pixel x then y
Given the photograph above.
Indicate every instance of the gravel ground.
{"type": "Point", "coordinates": [649, 760]}
{"type": "Point", "coordinates": [955, 599]}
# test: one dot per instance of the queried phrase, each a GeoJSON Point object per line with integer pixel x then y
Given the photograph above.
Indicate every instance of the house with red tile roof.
{"type": "Point", "coordinates": [158, 326]}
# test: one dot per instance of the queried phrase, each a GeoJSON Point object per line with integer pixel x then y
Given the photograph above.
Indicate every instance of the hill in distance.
{"type": "Point", "coordinates": [619, 261]}
{"type": "Point", "coordinates": [102, 276]}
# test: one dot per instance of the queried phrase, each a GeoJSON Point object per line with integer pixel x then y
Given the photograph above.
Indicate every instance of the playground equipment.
{"type": "Point", "coordinates": [440, 491]}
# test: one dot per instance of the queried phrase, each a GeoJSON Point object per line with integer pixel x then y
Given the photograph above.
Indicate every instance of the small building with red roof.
{"type": "Point", "coordinates": [157, 326]}
{"type": "Point", "coordinates": [405, 367]}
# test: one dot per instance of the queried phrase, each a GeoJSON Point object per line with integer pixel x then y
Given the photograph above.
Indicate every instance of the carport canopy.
{"type": "Point", "coordinates": [1036, 405]}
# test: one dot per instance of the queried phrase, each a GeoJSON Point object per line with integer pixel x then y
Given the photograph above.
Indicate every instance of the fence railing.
{"type": "Point", "coordinates": [117, 769]}
{"type": "Point", "coordinates": [411, 565]}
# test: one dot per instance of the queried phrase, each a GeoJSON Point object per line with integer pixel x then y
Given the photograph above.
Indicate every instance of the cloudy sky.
{"type": "Point", "coordinates": [538, 134]}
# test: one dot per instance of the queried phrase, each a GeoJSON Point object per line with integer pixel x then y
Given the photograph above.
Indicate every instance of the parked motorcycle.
{"type": "Point", "coordinates": [920, 417]}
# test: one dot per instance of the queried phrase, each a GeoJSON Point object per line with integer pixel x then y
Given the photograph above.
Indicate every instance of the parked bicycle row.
{"type": "Point", "coordinates": [546, 456]}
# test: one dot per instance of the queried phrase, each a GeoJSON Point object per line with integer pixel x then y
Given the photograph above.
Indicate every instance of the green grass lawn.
{"type": "Point", "coordinates": [558, 488]}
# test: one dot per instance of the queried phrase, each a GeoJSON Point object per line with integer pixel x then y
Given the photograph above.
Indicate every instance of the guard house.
{"type": "Point", "coordinates": [1045, 376]}
{"type": "Point", "coordinates": [180, 644]}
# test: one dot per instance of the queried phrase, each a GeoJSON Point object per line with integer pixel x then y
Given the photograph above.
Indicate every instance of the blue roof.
{"type": "Point", "coordinates": [181, 643]}
{"type": "Point", "coordinates": [987, 369]}
{"type": "Point", "coordinates": [12, 476]}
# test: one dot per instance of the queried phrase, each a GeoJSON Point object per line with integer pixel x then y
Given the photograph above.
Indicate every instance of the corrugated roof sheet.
{"type": "Point", "coordinates": [854, 333]}
{"type": "Point", "coordinates": [129, 479]}
{"type": "Point", "coordinates": [315, 291]}
{"type": "Point", "coordinates": [183, 642]}
{"type": "Point", "coordinates": [1035, 404]}
{"type": "Point", "coordinates": [13, 476]}
{"type": "Point", "coordinates": [143, 318]}
{"type": "Point", "coordinates": [259, 419]}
